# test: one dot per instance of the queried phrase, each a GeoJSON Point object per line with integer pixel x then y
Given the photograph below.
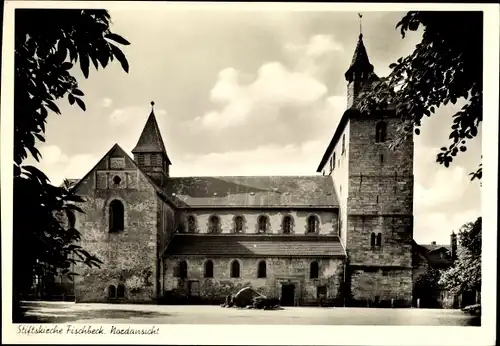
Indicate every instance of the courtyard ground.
{"type": "Point", "coordinates": [66, 312]}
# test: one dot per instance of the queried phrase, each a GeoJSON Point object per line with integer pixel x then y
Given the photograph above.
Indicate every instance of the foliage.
{"type": "Point", "coordinates": [427, 285]}
{"type": "Point", "coordinates": [48, 44]}
{"type": "Point", "coordinates": [465, 275]}
{"type": "Point", "coordinates": [445, 66]}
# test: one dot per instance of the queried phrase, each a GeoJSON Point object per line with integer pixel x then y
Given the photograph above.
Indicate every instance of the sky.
{"type": "Point", "coordinates": [251, 93]}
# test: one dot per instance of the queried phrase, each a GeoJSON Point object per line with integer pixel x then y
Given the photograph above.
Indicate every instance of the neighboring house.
{"type": "Point", "coordinates": [438, 257]}
{"type": "Point", "coordinates": [345, 234]}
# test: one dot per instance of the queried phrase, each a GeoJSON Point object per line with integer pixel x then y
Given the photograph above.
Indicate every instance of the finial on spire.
{"type": "Point", "coordinates": [152, 105]}
{"type": "Point", "coordinates": [360, 26]}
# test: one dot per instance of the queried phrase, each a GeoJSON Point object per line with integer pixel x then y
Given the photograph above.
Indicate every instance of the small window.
{"type": "Point", "coordinates": [120, 292]}
{"type": "Point", "coordinates": [141, 160]}
{"type": "Point", "coordinates": [343, 144]}
{"type": "Point", "coordinates": [153, 160]}
{"type": "Point", "coordinates": [377, 198]}
{"type": "Point", "coordinates": [214, 224]}
{"type": "Point", "coordinates": [372, 239]}
{"type": "Point", "coordinates": [116, 216]}
{"type": "Point", "coordinates": [382, 159]}
{"type": "Point", "coordinates": [209, 269]}
{"type": "Point", "coordinates": [333, 162]}
{"type": "Point", "coordinates": [191, 224]}
{"type": "Point", "coordinates": [111, 291]}
{"type": "Point", "coordinates": [262, 224]}
{"type": "Point", "coordinates": [380, 132]}
{"type": "Point", "coordinates": [116, 180]}
{"type": "Point", "coordinates": [287, 224]}
{"type": "Point", "coordinates": [235, 269]}
{"type": "Point", "coordinates": [379, 239]}
{"type": "Point", "coordinates": [238, 224]}
{"type": "Point", "coordinates": [312, 224]}
{"type": "Point", "coordinates": [181, 270]}
{"type": "Point", "coordinates": [262, 270]}
{"type": "Point", "coordinates": [314, 270]}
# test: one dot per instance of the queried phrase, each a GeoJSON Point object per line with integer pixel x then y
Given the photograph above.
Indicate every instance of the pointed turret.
{"type": "Point", "coordinates": [360, 75]}
{"type": "Point", "coordinates": [150, 153]}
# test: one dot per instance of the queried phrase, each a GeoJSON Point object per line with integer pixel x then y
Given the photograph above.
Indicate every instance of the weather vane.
{"type": "Point", "coordinates": [360, 27]}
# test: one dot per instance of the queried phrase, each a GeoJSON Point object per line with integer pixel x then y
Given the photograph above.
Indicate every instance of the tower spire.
{"type": "Point", "coordinates": [360, 25]}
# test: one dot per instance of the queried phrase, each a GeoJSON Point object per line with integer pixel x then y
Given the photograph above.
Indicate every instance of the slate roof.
{"type": "Point", "coordinates": [150, 140]}
{"type": "Point", "coordinates": [252, 192]}
{"type": "Point", "coordinates": [250, 245]}
{"type": "Point", "coordinates": [360, 63]}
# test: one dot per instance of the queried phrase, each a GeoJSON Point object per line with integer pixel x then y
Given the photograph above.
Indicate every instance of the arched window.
{"type": "Point", "coordinates": [287, 224]}
{"type": "Point", "coordinates": [343, 144]}
{"type": "Point", "coordinates": [235, 269]}
{"type": "Point", "coordinates": [261, 270]}
{"type": "Point", "coordinates": [312, 224]}
{"type": "Point", "coordinates": [314, 270]}
{"type": "Point", "coordinates": [111, 291]}
{"type": "Point", "coordinates": [181, 270]}
{"type": "Point", "coordinates": [238, 224]}
{"type": "Point", "coordinates": [120, 292]}
{"type": "Point", "coordinates": [379, 239]}
{"type": "Point", "coordinates": [372, 239]}
{"type": "Point", "coordinates": [116, 180]}
{"type": "Point", "coordinates": [209, 269]}
{"type": "Point", "coordinates": [116, 216]}
{"type": "Point", "coordinates": [214, 224]}
{"type": "Point", "coordinates": [191, 221]}
{"type": "Point", "coordinates": [262, 224]}
{"type": "Point", "coordinates": [380, 132]}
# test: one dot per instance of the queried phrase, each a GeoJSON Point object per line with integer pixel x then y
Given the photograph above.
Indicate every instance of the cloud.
{"type": "Point", "coordinates": [106, 102]}
{"type": "Point", "coordinates": [59, 166]}
{"type": "Point", "coordinates": [274, 89]}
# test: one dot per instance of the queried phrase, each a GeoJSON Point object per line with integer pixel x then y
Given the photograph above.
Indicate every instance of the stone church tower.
{"type": "Point", "coordinates": [375, 188]}
{"type": "Point", "coordinates": [150, 153]}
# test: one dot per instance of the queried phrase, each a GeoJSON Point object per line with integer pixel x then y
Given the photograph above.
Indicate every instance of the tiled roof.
{"type": "Point", "coordinates": [434, 247]}
{"type": "Point", "coordinates": [255, 245]}
{"type": "Point", "coordinates": [253, 191]}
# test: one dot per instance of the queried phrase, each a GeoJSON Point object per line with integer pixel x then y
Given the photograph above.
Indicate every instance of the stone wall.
{"type": "Point", "coordinates": [382, 285]}
{"type": "Point", "coordinates": [279, 270]}
{"type": "Point", "coordinates": [328, 220]}
{"type": "Point", "coordinates": [130, 257]}
{"type": "Point", "coordinates": [380, 200]}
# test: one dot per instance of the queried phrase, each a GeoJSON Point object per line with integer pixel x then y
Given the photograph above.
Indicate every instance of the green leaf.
{"type": "Point", "coordinates": [117, 38]}
{"type": "Point", "coordinates": [80, 103]}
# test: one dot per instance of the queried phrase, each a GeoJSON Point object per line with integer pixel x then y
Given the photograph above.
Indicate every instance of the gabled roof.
{"type": "Point", "coordinates": [253, 191]}
{"type": "Point", "coordinates": [150, 140]}
{"type": "Point", "coordinates": [124, 153]}
{"type": "Point", "coordinates": [255, 245]}
{"type": "Point", "coordinates": [436, 247]}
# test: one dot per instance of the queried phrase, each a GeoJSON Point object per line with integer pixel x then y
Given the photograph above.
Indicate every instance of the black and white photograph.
{"type": "Point", "coordinates": [247, 165]}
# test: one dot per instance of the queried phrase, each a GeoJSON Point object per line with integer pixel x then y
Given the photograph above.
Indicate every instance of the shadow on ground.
{"type": "Point", "coordinates": [37, 314]}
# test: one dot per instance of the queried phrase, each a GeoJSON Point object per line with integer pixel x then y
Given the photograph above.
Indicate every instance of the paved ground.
{"type": "Point", "coordinates": [64, 312]}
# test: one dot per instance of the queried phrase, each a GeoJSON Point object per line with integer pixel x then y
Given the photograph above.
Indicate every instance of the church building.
{"type": "Point", "coordinates": [343, 235]}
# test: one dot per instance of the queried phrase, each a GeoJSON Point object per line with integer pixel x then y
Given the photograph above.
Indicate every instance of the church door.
{"type": "Point", "coordinates": [288, 295]}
